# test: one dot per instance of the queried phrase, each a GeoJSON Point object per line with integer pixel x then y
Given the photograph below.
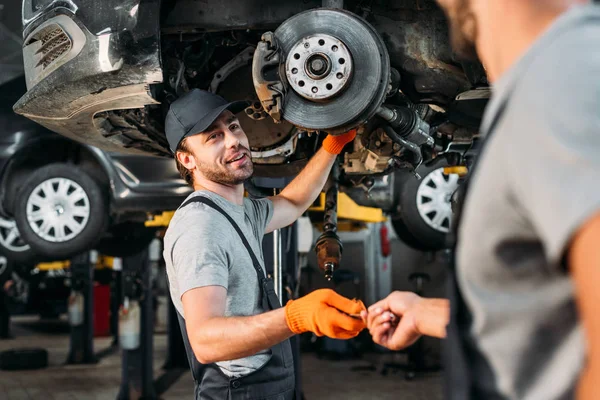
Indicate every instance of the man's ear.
{"type": "Point", "coordinates": [186, 159]}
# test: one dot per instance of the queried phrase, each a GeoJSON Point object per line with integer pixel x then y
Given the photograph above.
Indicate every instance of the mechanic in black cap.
{"type": "Point", "coordinates": [235, 331]}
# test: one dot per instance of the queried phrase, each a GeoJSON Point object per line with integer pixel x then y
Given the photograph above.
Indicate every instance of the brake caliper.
{"type": "Point", "coordinates": [268, 77]}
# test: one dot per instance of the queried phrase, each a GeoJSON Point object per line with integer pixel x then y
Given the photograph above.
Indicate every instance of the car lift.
{"type": "Point", "coordinates": [81, 305]}
{"type": "Point", "coordinates": [136, 329]}
{"type": "Point", "coordinates": [81, 309]}
{"type": "Point", "coordinates": [131, 315]}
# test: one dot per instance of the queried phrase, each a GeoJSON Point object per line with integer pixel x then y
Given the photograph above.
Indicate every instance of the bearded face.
{"type": "Point", "coordinates": [231, 171]}
{"type": "Point", "coordinates": [220, 154]}
{"type": "Point", "coordinates": [463, 27]}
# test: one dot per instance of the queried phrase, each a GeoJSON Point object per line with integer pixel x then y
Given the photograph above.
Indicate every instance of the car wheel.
{"type": "Point", "coordinates": [126, 239]}
{"type": "Point", "coordinates": [12, 245]}
{"type": "Point", "coordinates": [62, 212]}
{"type": "Point", "coordinates": [425, 211]}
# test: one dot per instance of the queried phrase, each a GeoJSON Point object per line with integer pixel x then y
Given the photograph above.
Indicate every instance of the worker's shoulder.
{"type": "Point", "coordinates": [566, 62]}
{"type": "Point", "coordinates": [197, 212]}
{"type": "Point", "coordinates": [560, 85]}
{"type": "Point", "coordinates": [195, 217]}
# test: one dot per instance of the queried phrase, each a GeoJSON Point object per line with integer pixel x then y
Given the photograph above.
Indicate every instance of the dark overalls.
{"type": "Point", "coordinates": [273, 381]}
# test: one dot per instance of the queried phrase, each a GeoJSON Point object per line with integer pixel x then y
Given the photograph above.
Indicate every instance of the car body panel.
{"type": "Point", "coordinates": [112, 69]}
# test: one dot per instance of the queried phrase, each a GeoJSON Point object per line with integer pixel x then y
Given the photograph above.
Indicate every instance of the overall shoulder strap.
{"type": "Point", "coordinates": [269, 298]}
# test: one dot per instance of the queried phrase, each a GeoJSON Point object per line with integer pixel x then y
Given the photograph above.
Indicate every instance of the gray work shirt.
{"type": "Point", "coordinates": [537, 182]}
{"type": "Point", "coordinates": [201, 248]}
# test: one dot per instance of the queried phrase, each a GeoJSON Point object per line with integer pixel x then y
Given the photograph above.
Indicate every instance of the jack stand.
{"type": "Point", "coordinates": [81, 309]}
{"type": "Point", "coordinates": [329, 247]}
{"type": "Point", "coordinates": [136, 330]}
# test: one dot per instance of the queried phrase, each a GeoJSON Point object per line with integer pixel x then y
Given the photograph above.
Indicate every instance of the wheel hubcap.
{"type": "Point", "coordinates": [58, 209]}
{"type": "Point", "coordinates": [434, 199]}
{"type": "Point", "coordinates": [10, 238]}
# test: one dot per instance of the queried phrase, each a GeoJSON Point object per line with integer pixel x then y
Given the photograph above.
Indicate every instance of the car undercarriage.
{"type": "Point", "coordinates": [104, 73]}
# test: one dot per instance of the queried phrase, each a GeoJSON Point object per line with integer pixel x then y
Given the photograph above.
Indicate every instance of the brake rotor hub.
{"type": "Point", "coordinates": [318, 67]}
{"type": "Point", "coordinates": [322, 69]}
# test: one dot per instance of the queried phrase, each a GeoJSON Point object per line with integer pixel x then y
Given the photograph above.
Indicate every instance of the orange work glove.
{"type": "Point", "coordinates": [335, 144]}
{"type": "Point", "coordinates": [322, 312]}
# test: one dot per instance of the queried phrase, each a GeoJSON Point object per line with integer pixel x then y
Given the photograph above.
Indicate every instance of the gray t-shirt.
{"type": "Point", "coordinates": [201, 248]}
{"type": "Point", "coordinates": [536, 183]}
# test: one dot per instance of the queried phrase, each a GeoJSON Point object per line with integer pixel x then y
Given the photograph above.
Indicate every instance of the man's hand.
{"type": "Point", "coordinates": [384, 326]}
{"type": "Point", "coordinates": [397, 321]}
{"type": "Point", "coordinates": [325, 312]}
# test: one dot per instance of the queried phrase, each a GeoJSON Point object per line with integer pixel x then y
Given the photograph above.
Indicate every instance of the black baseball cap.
{"type": "Point", "coordinates": [194, 112]}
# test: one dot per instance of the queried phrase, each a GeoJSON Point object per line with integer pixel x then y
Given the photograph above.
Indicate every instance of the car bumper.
{"type": "Point", "coordinates": [74, 74]}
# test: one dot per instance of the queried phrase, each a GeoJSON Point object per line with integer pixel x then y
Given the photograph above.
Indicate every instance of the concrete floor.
{"type": "Point", "coordinates": [323, 379]}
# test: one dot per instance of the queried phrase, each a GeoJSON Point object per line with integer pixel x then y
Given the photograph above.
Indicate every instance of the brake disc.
{"type": "Point", "coordinates": [335, 69]}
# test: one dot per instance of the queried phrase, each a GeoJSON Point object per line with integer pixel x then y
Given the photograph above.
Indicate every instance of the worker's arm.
{"type": "Point", "coordinates": [397, 321]}
{"type": "Point", "coordinates": [301, 192]}
{"type": "Point", "coordinates": [214, 337]}
{"type": "Point", "coordinates": [584, 265]}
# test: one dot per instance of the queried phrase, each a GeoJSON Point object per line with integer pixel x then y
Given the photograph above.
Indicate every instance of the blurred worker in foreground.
{"type": "Point", "coordinates": [523, 313]}
{"type": "Point", "coordinates": [233, 322]}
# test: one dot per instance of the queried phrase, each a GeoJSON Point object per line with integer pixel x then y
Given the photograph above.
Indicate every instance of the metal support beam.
{"type": "Point", "coordinates": [81, 309]}
{"type": "Point", "coordinates": [136, 330]}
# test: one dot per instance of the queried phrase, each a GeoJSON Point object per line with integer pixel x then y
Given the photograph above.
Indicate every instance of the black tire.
{"type": "Point", "coordinates": [406, 236]}
{"type": "Point", "coordinates": [12, 245]}
{"type": "Point", "coordinates": [409, 224]}
{"type": "Point", "coordinates": [21, 359]}
{"type": "Point", "coordinates": [126, 239]}
{"type": "Point", "coordinates": [87, 229]}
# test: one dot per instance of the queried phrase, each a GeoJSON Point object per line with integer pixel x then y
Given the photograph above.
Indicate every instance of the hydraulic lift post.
{"type": "Point", "coordinates": [81, 309]}
{"type": "Point", "coordinates": [136, 330]}
{"type": "Point", "coordinates": [116, 298]}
